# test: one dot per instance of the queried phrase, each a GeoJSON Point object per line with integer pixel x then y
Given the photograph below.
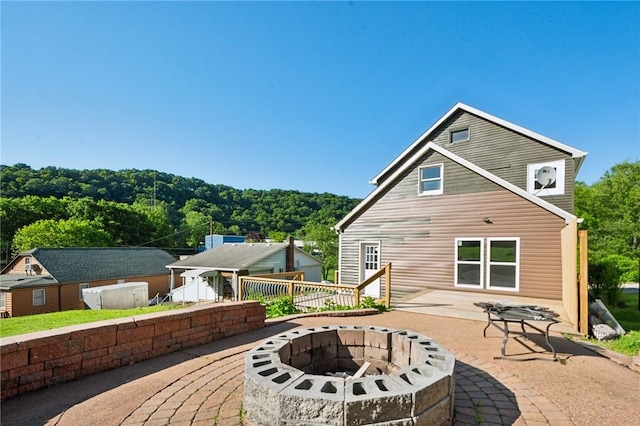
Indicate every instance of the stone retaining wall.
{"type": "Point", "coordinates": [36, 360]}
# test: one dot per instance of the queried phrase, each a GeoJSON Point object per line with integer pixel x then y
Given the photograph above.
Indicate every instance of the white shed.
{"type": "Point", "coordinates": [206, 273]}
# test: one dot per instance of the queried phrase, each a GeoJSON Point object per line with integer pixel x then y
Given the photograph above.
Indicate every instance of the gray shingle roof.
{"type": "Point", "coordinates": [9, 281]}
{"type": "Point", "coordinates": [231, 256]}
{"type": "Point", "coordinates": [67, 265]}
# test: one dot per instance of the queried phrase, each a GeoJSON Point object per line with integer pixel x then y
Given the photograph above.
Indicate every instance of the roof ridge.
{"type": "Point", "coordinates": [575, 153]}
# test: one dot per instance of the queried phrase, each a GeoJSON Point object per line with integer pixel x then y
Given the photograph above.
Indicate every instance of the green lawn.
{"type": "Point", "coordinates": [629, 318]}
{"type": "Point", "coordinates": [31, 323]}
{"type": "Point", "coordinates": [629, 315]}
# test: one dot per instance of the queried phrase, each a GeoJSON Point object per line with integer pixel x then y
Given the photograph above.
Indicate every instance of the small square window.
{"type": "Point", "coordinates": [460, 135]}
{"type": "Point", "coordinates": [431, 180]}
{"type": "Point", "coordinates": [38, 297]}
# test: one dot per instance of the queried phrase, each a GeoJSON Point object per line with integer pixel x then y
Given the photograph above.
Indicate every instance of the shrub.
{"type": "Point", "coordinates": [604, 280]}
{"type": "Point", "coordinates": [370, 302]}
{"type": "Point", "coordinates": [280, 307]}
{"type": "Point", "coordinates": [628, 267]}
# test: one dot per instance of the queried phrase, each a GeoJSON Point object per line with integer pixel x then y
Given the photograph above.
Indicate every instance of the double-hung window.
{"type": "Point", "coordinates": [469, 260]}
{"type": "Point", "coordinates": [38, 297]}
{"type": "Point", "coordinates": [500, 270]}
{"type": "Point", "coordinates": [431, 179]}
{"type": "Point", "coordinates": [503, 265]}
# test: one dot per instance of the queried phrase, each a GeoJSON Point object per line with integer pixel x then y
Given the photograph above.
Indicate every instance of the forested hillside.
{"type": "Point", "coordinates": [137, 207]}
{"type": "Point", "coordinates": [62, 207]}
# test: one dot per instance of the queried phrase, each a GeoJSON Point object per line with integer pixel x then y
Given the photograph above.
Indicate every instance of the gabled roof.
{"type": "Point", "coordinates": [575, 153]}
{"type": "Point", "coordinates": [230, 257]}
{"type": "Point", "coordinates": [430, 146]}
{"type": "Point", "coordinates": [68, 265]}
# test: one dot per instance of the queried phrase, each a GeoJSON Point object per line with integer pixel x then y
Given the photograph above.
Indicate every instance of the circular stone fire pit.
{"type": "Point", "coordinates": [349, 375]}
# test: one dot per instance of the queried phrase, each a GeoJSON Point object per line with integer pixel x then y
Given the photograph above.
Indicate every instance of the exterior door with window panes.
{"type": "Point", "coordinates": [370, 258]}
{"type": "Point", "coordinates": [469, 259]}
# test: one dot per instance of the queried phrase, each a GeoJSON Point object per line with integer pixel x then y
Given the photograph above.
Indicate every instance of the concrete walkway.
{"type": "Point", "coordinates": [203, 386]}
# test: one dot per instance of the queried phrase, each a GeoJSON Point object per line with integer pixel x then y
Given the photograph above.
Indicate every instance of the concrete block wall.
{"type": "Point", "coordinates": [279, 388]}
{"type": "Point", "coordinates": [36, 360]}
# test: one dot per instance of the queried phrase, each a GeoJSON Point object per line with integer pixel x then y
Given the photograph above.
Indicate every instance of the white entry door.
{"type": "Point", "coordinates": [370, 264]}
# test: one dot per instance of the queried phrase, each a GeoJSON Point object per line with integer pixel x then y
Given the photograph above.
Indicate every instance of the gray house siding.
{"type": "Point", "coordinates": [503, 152]}
{"type": "Point", "coordinates": [267, 264]}
{"type": "Point", "coordinates": [417, 233]}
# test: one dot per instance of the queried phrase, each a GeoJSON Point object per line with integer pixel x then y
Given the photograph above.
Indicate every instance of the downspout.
{"type": "Point", "coordinates": [59, 297]}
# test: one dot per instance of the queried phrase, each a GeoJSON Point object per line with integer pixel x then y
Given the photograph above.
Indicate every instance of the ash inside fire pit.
{"type": "Point", "coordinates": [349, 375]}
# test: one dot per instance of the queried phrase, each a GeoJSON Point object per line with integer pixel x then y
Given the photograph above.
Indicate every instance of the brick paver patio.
{"type": "Point", "coordinates": [212, 395]}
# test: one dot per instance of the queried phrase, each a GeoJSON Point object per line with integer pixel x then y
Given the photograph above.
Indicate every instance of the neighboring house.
{"type": "Point", "coordinates": [51, 279]}
{"type": "Point", "coordinates": [213, 274]}
{"type": "Point", "coordinates": [475, 203]}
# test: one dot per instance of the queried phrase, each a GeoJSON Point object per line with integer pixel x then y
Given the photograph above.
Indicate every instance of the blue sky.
{"type": "Point", "coordinates": [310, 96]}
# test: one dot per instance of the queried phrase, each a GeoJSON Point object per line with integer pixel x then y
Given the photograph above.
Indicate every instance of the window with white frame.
{"type": "Point", "coordinates": [80, 287]}
{"type": "Point", "coordinates": [546, 178]}
{"type": "Point", "coordinates": [38, 297]}
{"type": "Point", "coordinates": [469, 261]}
{"type": "Point", "coordinates": [503, 263]}
{"type": "Point", "coordinates": [459, 135]}
{"type": "Point", "coordinates": [431, 178]}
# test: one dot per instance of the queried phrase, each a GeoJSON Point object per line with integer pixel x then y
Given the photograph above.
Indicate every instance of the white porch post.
{"type": "Point", "coordinates": [234, 285]}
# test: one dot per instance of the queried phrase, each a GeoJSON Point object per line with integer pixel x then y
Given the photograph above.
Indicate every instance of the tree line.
{"type": "Point", "coordinates": [611, 211]}
{"type": "Point", "coordinates": [147, 207]}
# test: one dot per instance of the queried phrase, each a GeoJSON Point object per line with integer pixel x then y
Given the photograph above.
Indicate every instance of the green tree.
{"type": "Point", "coordinates": [163, 233]}
{"type": "Point", "coordinates": [320, 239]}
{"type": "Point", "coordinates": [104, 198]}
{"type": "Point", "coordinates": [277, 236]}
{"type": "Point", "coordinates": [611, 209]}
{"type": "Point", "coordinates": [60, 233]}
{"type": "Point", "coordinates": [16, 213]}
{"type": "Point", "coordinates": [194, 227]}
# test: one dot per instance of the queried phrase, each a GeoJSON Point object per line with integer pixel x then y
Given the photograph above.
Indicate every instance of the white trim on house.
{"type": "Point", "coordinates": [372, 289]}
{"type": "Point", "coordinates": [568, 217]}
{"type": "Point", "coordinates": [575, 153]}
{"type": "Point", "coordinates": [44, 297]}
{"type": "Point", "coordinates": [558, 187]}
{"type": "Point", "coordinates": [440, 178]}
{"type": "Point", "coordinates": [480, 263]}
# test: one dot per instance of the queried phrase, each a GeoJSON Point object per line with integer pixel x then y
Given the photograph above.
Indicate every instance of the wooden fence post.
{"type": "Point", "coordinates": [387, 285]}
{"type": "Point", "coordinates": [290, 285]}
{"type": "Point", "coordinates": [583, 283]}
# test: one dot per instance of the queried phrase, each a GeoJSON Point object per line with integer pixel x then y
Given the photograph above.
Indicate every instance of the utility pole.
{"type": "Point", "coordinates": [154, 190]}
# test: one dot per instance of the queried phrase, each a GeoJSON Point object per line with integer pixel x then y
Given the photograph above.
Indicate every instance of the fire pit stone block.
{"type": "Point", "coordinates": [303, 377]}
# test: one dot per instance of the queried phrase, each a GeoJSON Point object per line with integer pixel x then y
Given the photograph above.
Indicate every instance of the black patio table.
{"type": "Point", "coordinates": [522, 314]}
